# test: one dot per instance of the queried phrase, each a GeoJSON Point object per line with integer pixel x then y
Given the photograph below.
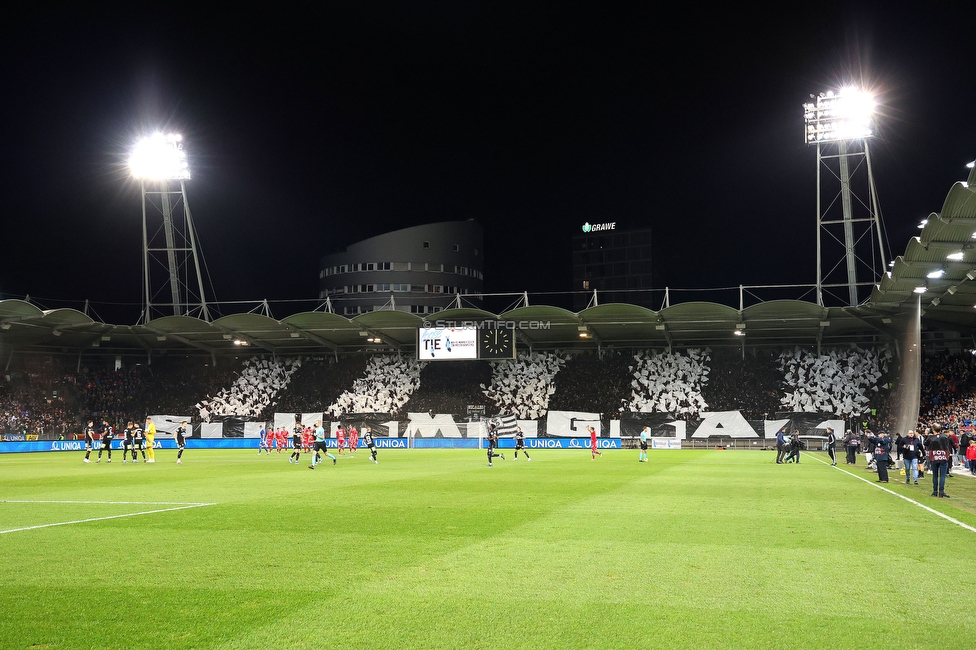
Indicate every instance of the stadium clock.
{"type": "Point", "coordinates": [496, 344]}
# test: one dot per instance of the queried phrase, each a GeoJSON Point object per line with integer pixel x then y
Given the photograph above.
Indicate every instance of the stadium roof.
{"type": "Point", "coordinates": [948, 300]}
{"type": "Point", "coordinates": [24, 327]}
{"type": "Point", "coordinates": [947, 303]}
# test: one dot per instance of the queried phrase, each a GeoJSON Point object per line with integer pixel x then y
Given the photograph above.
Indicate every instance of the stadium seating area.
{"type": "Point", "coordinates": [50, 395]}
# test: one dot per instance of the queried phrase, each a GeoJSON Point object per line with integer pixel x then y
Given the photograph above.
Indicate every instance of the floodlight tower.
{"type": "Point", "coordinates": [840, 123]}
{"type": "Point", "coordinates": [159, 163]}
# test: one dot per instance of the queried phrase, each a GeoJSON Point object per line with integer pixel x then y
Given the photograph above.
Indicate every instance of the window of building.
{"type": "Point", "coordinates": [383, 266]}
{"type": "Point", "coordinates": [456, 248]}
{"type": "Point", "coordinates": [426, 244]}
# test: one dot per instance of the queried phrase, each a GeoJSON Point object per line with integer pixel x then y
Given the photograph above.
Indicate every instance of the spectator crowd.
{"type": "Point", "coordinates": [52, 395]}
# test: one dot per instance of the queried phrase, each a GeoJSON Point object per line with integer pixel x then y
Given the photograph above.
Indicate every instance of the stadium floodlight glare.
{"type": "Point", "coordinates": [159, 157]}
{"type": "Point", "coordinates": [919, 290]}
{"type": "Point", "coordinates": [956, 257]}
{"type": "Point", "coordinates": [936, 274]}
{"type": "Point", "coordinates": [839, 116]}
{"type": "Point", "coordinates": [971, 164]}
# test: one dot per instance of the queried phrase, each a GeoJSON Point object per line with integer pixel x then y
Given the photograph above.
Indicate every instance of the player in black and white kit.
{"type": "Point", "coordinates": [128, 442]}
{"type": "Point", "coordinates": [296, 443]}
{"type": "Point", "coordinates": [138, 442]}
{"type": "Point", "coordinates": [108, 434]}
{"type": "Point", "coordinates": [492, 444]}
{"type": "Point", "coordinates": [180, 442]}
{"type": "Point", "coordinates": [368, 441]}
{"type": "Point", "coordinates": [832, 446]}
{"type": "Point", "coordinates": [520, 443]}
{"type": "Point", "coordinates": [89, 440]}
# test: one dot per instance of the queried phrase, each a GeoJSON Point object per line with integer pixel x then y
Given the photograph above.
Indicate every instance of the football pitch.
{"type": "Point", "coordinates": [434, 549]}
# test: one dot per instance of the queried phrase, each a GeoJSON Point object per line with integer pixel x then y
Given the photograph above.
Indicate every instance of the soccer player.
{"type": "Point", "coordinates": [320, 446]}
{"type": "Point", "coordinates": [296, 443]}
{"type": "Point", "coordinates": [108, 434]}
{"type": "Point", "coordinates": [307, 440]}
{"type": "Point", "coordinates": [643, 444]}
{"type": "Point", "coordinates": [263, 444]}
{"type": "Point", "coordinates": [492, 444]}
{"type": "Point", "coordinates": [128, 442]}
{"type": "Point", "coordinates": [520, 443]}
{"type": "Point", "coordinates": [89, 440]}
{"type": "Point", "coordinates": [368, 441]}
{"type": "Point", "coordinates": [180, 442]}
{"type": "Point", "coordinates": [353, 440]}
{"type": "Point", "coordinates": [281, 439]}
{"type": "Point", "coordinates": [593, 450]}
{"type": "Point", "coordinates": [139, 442]}
{"type": "Point", "coordinates": [150, 440]}
{"type": "Point", "coordinates": [340, 438]}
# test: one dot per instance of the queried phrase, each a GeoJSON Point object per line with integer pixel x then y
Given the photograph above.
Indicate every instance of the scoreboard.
{"type": "Point", "coordinates": [460, 343]}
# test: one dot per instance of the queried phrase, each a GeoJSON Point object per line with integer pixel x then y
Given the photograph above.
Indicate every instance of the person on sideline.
{"type": "Point", "coordinates": [882, 450]}
{"type": "Point", "coordinates": [832, 446]}
{"type": "Point", "coordinates": [911, 452]}
{"type": "Point", "coordinates": [940, 455]}
{"type": "Point", "coordinates": [643, 445]}
{"type": "Point", "coordinates": [780, 445]}
{"type": "Point", "coordinates": [851, 443]}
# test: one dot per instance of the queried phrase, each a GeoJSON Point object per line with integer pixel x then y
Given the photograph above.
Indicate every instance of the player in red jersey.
{"type": "Point", "coordinates": [307, 439]}
{"type": "Point", "coordinates": [593, 451]}
{"type": "Point", "coordinates": [340, 439]}
{"type": "Point", "coordinates": [282, 439]}
{"type": "Point", "coordinates": [353, 440]}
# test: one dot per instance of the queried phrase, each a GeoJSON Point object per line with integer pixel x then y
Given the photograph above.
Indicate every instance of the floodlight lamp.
{"type": "Point", "coordinates": [159, 157]}
{"type": "Point", "coordinates": [955, 257]}
{"type": "Point", "coordinates": [846, 115]}
{"type": "Point", "coordinates": [971, 164]}
{"type": "Point", "coordinates": [936, 274]}
{"type": "Point", "coordinates": [919, 290]}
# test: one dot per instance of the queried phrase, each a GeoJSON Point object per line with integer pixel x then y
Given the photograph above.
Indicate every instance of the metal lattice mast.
{"type": "Point", "coordinates": [848, 216]}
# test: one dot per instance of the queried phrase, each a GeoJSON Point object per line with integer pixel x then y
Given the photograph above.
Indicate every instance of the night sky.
{"type": "Point", "coordinates": [311, 127]}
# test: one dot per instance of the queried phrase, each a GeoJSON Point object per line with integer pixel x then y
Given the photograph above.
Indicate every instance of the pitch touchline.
{"type": "Point", "coordinates": [110, 503]}
{"type": "Point", "coordinates": [900, 496]}
{"type": "Point", "coordinates": [84, 521]}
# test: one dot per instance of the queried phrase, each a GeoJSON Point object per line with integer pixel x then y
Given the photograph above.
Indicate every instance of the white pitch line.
{"type": "Point", "coordinates": [110, 503]}
{"type": "Point", "coordinates": [900, 496]}
{"type": "Point", "coordinates": [84, 521]}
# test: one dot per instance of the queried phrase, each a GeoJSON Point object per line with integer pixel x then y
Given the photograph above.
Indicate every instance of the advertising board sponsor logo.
{"type": "Point", "coordinates": [67, 445]}
{"type": "Point", "coordinates": [390, 443]}
{"type": "Point", "coordinates": [599, 227]}
{"type": "Point", "coordinates": [565, 443]}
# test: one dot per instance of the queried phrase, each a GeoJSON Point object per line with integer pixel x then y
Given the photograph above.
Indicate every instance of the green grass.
{"type": "Point", "coordinates": [433, 549]}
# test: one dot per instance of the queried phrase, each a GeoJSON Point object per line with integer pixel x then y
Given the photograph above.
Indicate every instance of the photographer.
{"type": "Point", "coordinates": [940, 454]}
{"type": "Point", "coordinates": [851, 443]}
{"type": "Point", "coordinates": [882, 453]}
